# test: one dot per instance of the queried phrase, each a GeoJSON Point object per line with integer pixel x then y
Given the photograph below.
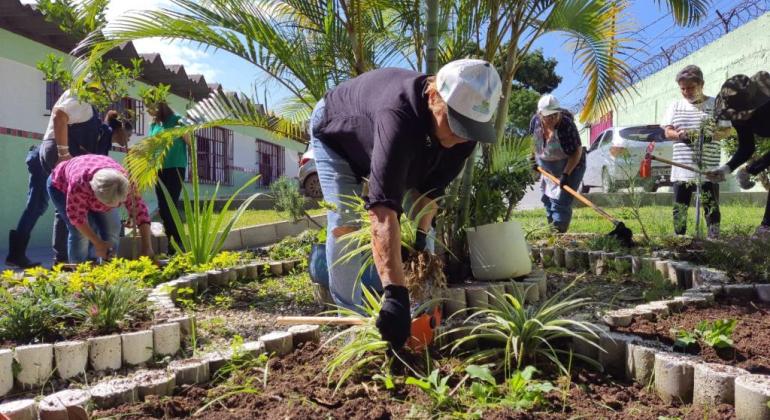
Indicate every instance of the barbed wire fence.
{"type": "Point", "coordinates": [736, 17]}
{"type": "Point", "coordinates": [725, 22]}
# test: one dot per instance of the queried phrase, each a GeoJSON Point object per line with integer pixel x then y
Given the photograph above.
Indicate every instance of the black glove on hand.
{"type": "Point", "coordinates": [395, 321]}
{"type": "Point", "coordinates": [563, 180]}
{"type": "Point", "coordinates": [420, 240]}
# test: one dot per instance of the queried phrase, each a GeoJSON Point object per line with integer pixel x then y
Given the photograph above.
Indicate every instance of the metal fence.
{"type": "Point", "coordinates": [727, 21]}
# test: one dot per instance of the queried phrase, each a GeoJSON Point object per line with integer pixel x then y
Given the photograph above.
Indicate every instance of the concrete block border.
{"type": "Point", "coordinates": [114, 391]}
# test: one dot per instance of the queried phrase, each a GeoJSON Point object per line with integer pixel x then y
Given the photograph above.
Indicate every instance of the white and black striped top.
{"type": "Point", "coordinates": [683, 115]}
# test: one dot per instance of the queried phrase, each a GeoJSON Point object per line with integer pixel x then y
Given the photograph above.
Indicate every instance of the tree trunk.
{"type": "Point", "coordinates": [431, 38]}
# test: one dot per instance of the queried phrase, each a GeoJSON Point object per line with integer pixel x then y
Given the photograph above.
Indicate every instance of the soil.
{"type": "Point", "coordinates": [751, 337]}
{"type": "Point", "coordinates": [297, 389]}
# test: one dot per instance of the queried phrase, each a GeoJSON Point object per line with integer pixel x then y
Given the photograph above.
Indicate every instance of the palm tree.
{"type": "Point", "coordinates": [309, 46]}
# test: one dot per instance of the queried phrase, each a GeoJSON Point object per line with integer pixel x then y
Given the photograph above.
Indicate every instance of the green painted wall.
{"type": "Point", "coordinates": [13, 150]}
{"type": "Point", "coordinates": [744, 50]}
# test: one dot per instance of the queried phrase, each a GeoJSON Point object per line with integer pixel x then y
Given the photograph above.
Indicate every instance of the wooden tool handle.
{"type": "Point", "coordinates": [579, 196]}
{"type": "Point", "coordinates": [672, 163]}
{"type": "Point", "coordinates": [319, 320]}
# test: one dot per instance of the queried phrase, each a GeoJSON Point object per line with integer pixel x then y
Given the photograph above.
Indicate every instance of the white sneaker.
{"type": "Point", "coordinates": [744, 178]}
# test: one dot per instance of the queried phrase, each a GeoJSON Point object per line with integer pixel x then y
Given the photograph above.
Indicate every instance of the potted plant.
{"type": "Point", "coordinates": [496, 244]}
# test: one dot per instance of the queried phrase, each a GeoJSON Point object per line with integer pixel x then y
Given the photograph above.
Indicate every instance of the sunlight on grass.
{"type": "Point", "coordinates": [258, 217]}
{"type": "Point", "coordinates": [736, 218]}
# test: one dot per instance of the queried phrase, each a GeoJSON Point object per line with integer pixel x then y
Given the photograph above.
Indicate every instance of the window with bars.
{"type": "Point", "coordinates": [270, 158]}
{"type": "Point", "coordinates": [215, 156]}
{"type": "Point", "coordinates": [52, 92]}
{"type": "Point", "coordinates": [132, 107]}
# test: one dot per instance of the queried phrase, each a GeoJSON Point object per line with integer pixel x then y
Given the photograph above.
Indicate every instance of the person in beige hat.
{"type": "Point", "coordinates": [401, 131]}
{"type": "Point", "coordinates": [745, 101]}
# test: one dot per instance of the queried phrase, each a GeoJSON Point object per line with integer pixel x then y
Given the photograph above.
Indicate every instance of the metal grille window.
{"type": "Point", "coordinates": [270, 158]}
{"type": "Point", "coordinates": [134, 108]}
{"type": "Point", "coordinates": [215, 156]}
{"type": "Point", "coordinates": [52, 92]}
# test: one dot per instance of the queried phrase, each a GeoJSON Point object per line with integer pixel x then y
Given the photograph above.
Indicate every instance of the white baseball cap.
{"type": "Point", "coordinates": [471, 90]}
{"type": "Point", "coordinates": [547, 105]}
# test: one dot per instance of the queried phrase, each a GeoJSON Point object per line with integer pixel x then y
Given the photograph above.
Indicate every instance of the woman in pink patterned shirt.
{"type": "Point", "coordinates": [87, 190]}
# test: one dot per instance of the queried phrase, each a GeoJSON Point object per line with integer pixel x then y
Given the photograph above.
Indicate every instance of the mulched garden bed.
{"type": "Point", "coordinates": [751, 336]}
{"type": "Point", "coordinates": [297, 389]}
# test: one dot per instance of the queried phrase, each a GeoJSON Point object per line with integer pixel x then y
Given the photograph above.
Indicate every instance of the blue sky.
{"type": "Point", "coordinates": [651, 27]}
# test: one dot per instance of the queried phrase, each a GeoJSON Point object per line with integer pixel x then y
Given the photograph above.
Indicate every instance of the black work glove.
{"type": "Point", "coordinates": [420, 240]}
{"type": "Point", "coordinates": [395, 321]}
{"type": "Point", "coordinates": [563, 180]}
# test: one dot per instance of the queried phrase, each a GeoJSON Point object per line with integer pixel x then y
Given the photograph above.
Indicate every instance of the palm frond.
{"type": "Point", "coordinates": [687, 12]}
{"type": "Point", "coordinates": [218, 110]}
{"type": "Point", "coordinates": [596, 30]}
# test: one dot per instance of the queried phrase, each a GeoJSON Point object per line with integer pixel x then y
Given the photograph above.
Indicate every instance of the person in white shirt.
{"type": "Point", "coordinates": [682, 123]}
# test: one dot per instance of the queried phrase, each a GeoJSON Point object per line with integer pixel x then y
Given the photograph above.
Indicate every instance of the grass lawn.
{"type": "Point", "coordinates": [658, 220]}
{"type": "Point", "coordinates": [258, 217]}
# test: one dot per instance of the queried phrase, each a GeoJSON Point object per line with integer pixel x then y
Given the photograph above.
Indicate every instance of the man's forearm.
{"type": "Point", "coordinates": [428, 208]}
{"type": "Point", "coordinates": [60, 121]}
{"type": "Point", "coordinates": [386, 245]}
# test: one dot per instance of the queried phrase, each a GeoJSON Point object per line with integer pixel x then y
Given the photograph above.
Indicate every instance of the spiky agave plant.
{"type": "Point", "coordinates": [519, 334]}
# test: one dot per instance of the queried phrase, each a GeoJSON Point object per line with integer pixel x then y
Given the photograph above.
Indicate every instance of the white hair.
{"type": "Point", "coordinates": [110, 186]}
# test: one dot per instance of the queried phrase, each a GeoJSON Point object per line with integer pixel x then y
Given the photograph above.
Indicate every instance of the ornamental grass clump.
{"type": "Point", "coordinates": [519, 335]}
{"type": "Point", "coordinates": [363, 345]}
{"type": "Point", "coordinates": [109, 307]}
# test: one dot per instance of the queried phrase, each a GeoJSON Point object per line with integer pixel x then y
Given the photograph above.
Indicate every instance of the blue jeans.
{"type": "Point", "coordinates": [37, 196]}
{"type": "Point", "coordinates": [337, 180]}
{"type": "Point", "coordinates": [106, 225]}
{"type": "Point", "coordinates": [559, 210]}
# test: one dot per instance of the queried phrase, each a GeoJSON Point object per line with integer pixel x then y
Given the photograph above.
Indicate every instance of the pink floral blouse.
{"type": "Point", "coordinates": [73, 178]}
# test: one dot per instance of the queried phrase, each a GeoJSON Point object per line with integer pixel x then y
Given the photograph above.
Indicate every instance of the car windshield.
{"type": "Point", "coordinates": [646, 133]}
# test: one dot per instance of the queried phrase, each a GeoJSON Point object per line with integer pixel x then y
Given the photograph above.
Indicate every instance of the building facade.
{"type": "Point", "coordinates": [228, 156]}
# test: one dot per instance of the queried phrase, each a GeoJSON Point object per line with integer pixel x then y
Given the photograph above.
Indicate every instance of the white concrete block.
{"type": "Point", "coordinates": [190, 371]}
{"type": "Point", "coordinates": [714, 384]}
{"type": "Point", "coordinates": [19, 410]}
{"type": "Point", "coordinates": [305, 334]}
{"type": "Point", "coordinates": [35, 364]}
{"type": "Point", "coordinates": [155, 382]}
{"type": "Point", "coordinates": [137, 347]}
{"type": "Point", "coordinates": [71, 358]}
{"type": "Point", "coordinates": [54, 406]}
{"type": "Point", "coordinates": [674, 377]}
{"type": "Point", "coordinates": [6, 371]}
{"type": "Point", "coordinates": [166, 338]}
{"type": "Point", "coordinates": [278, 342]}
{"type": "Point", "coordinates": [114, 392]}
{"type": "Point", "coordinates": [105, 352]}
{"type": "Point", "coordinates": [752, 394]}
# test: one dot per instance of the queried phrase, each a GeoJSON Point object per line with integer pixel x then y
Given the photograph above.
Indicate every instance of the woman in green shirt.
{"type": "Point", "coordinates": [174, 166]}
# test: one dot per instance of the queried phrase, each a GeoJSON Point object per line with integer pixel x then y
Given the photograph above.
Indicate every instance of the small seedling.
{"type": "Point", "coordinates": [717, 334]}
{"type": "Point", "coordinates": [435, 386]}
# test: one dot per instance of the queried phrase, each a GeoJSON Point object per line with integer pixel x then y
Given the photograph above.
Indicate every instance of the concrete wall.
{"type": "Point", "coordinates": [744, 50]}
{"type": "Point", "coordinates": [22, 107]}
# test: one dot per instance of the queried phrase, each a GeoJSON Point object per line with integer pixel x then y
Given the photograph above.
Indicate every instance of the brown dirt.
{"type": "Point", "coordinates": [424, 272]}
{"type": "Point", "coordinates": [751, 335]}
{"type": "Point", "coordinates": [297, 389]}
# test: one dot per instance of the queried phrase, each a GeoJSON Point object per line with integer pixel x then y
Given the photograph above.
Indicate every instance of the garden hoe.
{"type": "Point", "coordinates": [423, 326]}
{"type": "Point", "coordinates": [623, 234]}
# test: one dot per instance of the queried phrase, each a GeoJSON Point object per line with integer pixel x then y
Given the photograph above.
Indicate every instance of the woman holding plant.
{"type": "Point", "coordinates": [400, 130]}
{"type": "Point", "coordinates": [559, 151]}
{"type": "Point", "coordinates": [87, 190]}
{"type": "Point", "coordinates": [171, 175]}
{"type": "Point", "coordinates": [745, 101]}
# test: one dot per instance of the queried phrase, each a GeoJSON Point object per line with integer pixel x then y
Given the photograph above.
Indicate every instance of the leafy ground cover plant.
{"type": "Point", "coordinates": [295, 247]}
{"type": "Point", "coordinates": [716, 334]}
{"type": "Point", "coordinates": [519, 335]}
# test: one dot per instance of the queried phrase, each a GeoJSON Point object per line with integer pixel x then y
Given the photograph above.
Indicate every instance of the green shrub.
{"type": "Point", "coordinates": [292, 247]}
{"type": "Point", "coordinates": [111, 306]}
{"type": "Point", "coordinates": [34, 314]}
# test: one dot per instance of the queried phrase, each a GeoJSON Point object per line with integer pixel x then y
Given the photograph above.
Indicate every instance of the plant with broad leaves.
{"type": "Point", "coordinates": [435, 386]}
{"type": "Point", "coordinates": [717, 334]}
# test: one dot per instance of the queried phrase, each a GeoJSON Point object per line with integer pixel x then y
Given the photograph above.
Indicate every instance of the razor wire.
{"type": "Point", "coordinates": [730, 20]}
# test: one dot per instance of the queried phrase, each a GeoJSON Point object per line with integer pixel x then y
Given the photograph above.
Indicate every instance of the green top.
{"type": "Point", "coordinates": [176, 157]}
